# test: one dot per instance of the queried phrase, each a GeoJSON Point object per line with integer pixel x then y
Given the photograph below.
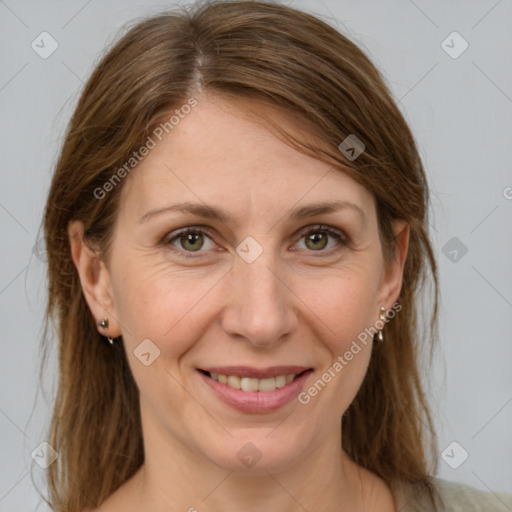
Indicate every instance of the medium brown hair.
{"type": "Point", "coordinates": [244, 50]}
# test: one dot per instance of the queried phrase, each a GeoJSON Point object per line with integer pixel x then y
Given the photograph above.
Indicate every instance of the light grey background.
{"type": "Point", "coordinates": [460, 110]}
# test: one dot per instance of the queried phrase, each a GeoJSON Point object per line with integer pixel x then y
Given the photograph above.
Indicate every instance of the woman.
{"type": "Point", "coordinates": [237, 236]}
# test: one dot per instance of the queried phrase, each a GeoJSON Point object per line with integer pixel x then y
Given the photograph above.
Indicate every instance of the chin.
{"type": "Point", "coordinates": [256, 452]}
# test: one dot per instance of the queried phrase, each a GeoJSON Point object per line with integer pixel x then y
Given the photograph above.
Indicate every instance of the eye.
{"type": "Point", "coordinates": [190, 240]}
{"type": "Point", "coordinates": [317, 239]}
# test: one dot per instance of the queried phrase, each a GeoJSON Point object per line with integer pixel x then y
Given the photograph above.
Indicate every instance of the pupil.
{"type": "Point", "coordinates": [317, 237]}
{"type": "Point", "coordinates": [192, 238]}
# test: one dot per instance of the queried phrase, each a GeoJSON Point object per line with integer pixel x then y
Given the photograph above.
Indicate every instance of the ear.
{"type": "Point", "coordinates": [95, 280]}
{"type": "Point", "coordinates": [391, 282]}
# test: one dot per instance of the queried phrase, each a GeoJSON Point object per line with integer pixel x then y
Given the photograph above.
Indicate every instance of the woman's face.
{"type": "Point", "coordinates": [269, 286]}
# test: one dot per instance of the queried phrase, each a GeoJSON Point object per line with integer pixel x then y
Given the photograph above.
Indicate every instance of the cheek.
{"type": "Point", "coordinates": [171, 311]}
{"type": "Point", "coordinates": [171, 307]}
{"type": "Point", "coordinates": [340, 309]}
{"type": "Point", "coordinates": [162, 305]}
{"type": "Point", "coordinates": [343, 303]}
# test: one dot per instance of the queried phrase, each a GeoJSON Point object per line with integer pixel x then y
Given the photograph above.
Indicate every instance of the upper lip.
{"type": "Point", "coordinates": [256, 373]}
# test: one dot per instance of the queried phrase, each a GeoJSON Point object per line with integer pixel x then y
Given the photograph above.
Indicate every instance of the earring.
{"type": "Point", "coordinates": [380, 336]}
{"type": "Point", "coordinates": [104, 325]}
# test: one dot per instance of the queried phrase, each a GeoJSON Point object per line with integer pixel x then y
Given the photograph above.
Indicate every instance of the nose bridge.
{"type": "Point", "coordinates": [261, 308]}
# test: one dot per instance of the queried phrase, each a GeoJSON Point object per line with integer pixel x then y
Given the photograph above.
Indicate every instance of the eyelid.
{"type": "Point", "coordinates": [326, 228]}
{"type": "Point", "coordinates": [188, 229]}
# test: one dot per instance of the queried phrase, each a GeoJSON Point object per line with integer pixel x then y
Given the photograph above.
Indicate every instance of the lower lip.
{"type": "Point", "coordinates": [257, 401]}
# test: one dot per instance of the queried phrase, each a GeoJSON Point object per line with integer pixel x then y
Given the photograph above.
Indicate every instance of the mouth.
{"type": "Point", "coordinates": [255, 390]}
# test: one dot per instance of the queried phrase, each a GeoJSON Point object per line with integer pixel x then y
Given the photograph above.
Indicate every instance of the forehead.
{"type": "Point", "coordinates": [222, 154]}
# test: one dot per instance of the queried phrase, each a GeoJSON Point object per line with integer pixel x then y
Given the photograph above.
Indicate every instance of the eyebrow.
{"type": "Point", "coordinates": [210, 212]}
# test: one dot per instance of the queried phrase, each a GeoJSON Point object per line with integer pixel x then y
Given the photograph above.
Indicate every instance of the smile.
{"type": "Point", "coordinates": [253, 390]}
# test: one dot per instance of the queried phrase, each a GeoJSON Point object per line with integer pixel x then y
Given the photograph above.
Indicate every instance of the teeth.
{"type": "Point", "coordinates": [267, 384]}
{"type": "Point", "coordinates": [249, 384]}
{"type": "Point", "coordinates": [281, 380]}
{"type": "Point", "coordinates": [234, 381]}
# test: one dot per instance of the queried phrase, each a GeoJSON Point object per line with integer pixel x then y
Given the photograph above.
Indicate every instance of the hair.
{"type": "Point", "coordinates": [290, 60]}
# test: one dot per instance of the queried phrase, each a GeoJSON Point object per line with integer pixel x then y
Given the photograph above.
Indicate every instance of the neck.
{"type": "Point", "coordinates": [175, 478]}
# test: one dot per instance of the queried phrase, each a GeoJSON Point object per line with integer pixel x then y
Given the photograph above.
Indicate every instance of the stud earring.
{"type": "Point", "coordinates": [104, 325]}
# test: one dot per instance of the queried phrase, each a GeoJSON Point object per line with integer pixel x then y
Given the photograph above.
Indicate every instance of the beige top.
{"type": "Point", "coordinates": [456, 497]}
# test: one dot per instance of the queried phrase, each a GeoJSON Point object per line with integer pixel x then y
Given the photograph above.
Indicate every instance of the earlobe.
{"type": "Point", "coordinates": [94, 279]}
{"type": "Point", "coordinates": [393, 273]}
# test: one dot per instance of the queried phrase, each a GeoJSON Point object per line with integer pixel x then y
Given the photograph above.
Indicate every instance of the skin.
{"type": "Point", "coordinates": [296, 304]}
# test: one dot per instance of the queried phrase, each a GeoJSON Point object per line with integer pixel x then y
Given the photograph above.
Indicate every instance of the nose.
{"type": "Point", "coordinates": [261, 307]}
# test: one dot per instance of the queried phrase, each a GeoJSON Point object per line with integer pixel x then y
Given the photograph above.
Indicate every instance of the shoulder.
{"type": "Point", "coordinates": [454, 496]}
{"type": "Point", "coordinates": [461, 497]}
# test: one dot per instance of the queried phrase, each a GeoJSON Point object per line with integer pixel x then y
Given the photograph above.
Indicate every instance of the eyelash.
{"type": "Point", "coordinates": [340, 236]}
